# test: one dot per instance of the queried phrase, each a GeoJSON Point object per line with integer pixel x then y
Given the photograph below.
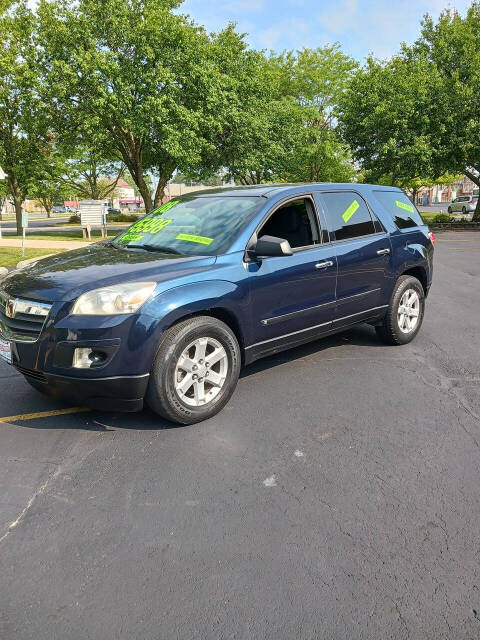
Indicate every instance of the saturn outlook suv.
{"type": "Point", "coordinates": [169, 311]}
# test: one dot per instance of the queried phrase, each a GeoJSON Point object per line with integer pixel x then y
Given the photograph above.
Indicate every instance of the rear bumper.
{"type": "Point", "coordinates": [116, 393]}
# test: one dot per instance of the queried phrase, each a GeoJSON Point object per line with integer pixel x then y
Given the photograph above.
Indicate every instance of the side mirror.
{"type": "Point", "coordinates": [268, 246]}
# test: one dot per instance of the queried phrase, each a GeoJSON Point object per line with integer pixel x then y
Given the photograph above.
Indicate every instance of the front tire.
{"type": "Point", "coordinates": [405, 312]}
{"type": "Point", "coordinates": [195, 370]}
{"type": "Point", "coordinates": [449, 209]}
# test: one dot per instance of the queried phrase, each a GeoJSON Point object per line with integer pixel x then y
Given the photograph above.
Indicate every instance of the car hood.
{"type": "Point", "coordinates": [68, 275]}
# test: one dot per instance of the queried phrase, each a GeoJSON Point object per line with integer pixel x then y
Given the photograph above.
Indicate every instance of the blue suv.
{"type": "Point", "coordinates": [170, 310]}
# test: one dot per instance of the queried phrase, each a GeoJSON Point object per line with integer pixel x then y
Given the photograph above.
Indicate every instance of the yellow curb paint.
{"type": "Point", "coordinates": [43, 414]}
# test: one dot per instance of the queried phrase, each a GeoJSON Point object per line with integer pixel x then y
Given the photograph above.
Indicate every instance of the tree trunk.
{"type": "Point", "coordinates": [475, 180]}
{"type": "Point", "coordinates": [17, 201]}
{"type": "Point", "coordinates": [476, 213]}
{"type": "Point", "coordinates": [18, 214]}
{"type": "Point", "coordinates": [160, 190]}
{"type": "Point", "coordinates": [145, 193]}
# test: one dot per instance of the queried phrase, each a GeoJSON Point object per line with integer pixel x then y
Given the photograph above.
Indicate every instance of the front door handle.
{"type": "Point", "coordinates": [324, 265]}
{"type": "Point", "coordinates": [383, 252]}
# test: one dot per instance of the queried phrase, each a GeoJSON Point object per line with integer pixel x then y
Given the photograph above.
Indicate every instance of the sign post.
{"type": "Point", "coordinates": [3, 175]}
{"type": "Point", "coordinates": [24, 226]}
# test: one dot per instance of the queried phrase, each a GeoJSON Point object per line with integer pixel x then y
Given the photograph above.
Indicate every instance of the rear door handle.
{"type": "Point", "coordinates": [324, 265]}
{"type": "Point", "coordinates": [383, 252]}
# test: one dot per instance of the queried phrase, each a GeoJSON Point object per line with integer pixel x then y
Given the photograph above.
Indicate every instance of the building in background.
{"type": "Point", "coordinates": [446, 192]}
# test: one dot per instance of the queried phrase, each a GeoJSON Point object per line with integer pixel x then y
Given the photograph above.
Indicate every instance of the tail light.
{"type": "Point", "coordinates": [472, 202]}
{"type": "Point", "coordinates": [431, 235]}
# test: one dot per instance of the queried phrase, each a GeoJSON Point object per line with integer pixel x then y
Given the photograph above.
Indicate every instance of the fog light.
{"type": "Point", "coordinates": [84, 358]}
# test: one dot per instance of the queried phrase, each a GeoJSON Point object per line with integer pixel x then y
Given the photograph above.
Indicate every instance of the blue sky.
{"type": "Point", "coordinates": [361, 26]}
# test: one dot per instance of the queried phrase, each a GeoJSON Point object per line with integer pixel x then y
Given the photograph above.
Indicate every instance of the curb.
{"type": "Point", "coordinates": [454, 226]}
{"type": "Point", "coordinates": [3, 271]}
{"type": "Point", "coordinates": [25, 263]}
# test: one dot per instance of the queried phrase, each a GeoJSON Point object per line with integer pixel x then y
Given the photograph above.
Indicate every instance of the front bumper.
{"type": "Point", "coordinates": [119, 383]}
{"type": "Point", "coordinates": [116, 393]}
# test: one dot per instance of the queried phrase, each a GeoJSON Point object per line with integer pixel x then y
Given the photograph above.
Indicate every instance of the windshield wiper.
{"type": "Point", "coordinates": [154, 247]}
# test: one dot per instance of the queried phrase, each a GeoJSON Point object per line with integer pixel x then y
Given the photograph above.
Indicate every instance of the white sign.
{"type": "Point", "coordinates": [93, 213]}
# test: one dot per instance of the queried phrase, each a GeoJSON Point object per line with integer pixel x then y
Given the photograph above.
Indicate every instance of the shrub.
{"type": "Point", "coordinates": [74, 219]}
{"type": "Point", "coordinates": [442, 217]}
{"type": "Point", "coordinates": [122, 217]}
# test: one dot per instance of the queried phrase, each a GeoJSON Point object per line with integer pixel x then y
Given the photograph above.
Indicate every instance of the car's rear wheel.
{"type": "Point", "coordinates": [405, 312]}
{"type": "Point", "coordinates": [195, 370]}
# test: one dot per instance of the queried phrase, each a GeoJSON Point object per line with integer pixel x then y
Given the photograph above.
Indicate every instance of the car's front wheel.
{"type": "Point", "coordinates": [405, 312]}
{"type": "Point", "coordinates": [449, 209]}
{"type": "Point", "coordinates": [195, 371]}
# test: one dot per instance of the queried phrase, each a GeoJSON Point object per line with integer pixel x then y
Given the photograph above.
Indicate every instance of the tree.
{"type": "Point", "coordinates": [86, 173]}
{"type": "Point", "coordinates": [387, 116]}
{"type": "Point", "coordinates": [452, 47]}
{"type": "Point", "coordinates": [24, 131]}
{"type": "Point", "coordinates": [138, 72]}
{"type": "Point", "coordinates": [47, 191]}
{"type": "Point", "coordinates": [282, 123]}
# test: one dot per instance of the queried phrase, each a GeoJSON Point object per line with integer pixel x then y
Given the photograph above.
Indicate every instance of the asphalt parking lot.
{"type": "Point", "coordinates": [336, 497]}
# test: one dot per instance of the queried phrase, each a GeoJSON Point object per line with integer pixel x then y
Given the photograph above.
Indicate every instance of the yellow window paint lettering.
{"type": "Point", "coordinates": [402, 205]}
{"type": "Point", "coordinates": [198, 239]}
{"type": "Point", "coordinates": [130, 237]}
{"type": "Point", "coordinates": [348, 213]}
{"type": "Point", "coordinates": [165, 207]}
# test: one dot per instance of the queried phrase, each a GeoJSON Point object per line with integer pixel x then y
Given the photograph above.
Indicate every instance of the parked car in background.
{"type": "Point", "coordinates": [111, 211]}
{"type": "Point", "coordinates": [61, 208]}
{"type": "Point", "coordinates": [170, 309]}
{"type": "Point", "coordinates": [463, 204]}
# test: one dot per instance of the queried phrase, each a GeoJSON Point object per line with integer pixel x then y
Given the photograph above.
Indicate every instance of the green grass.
{"type": "Point", "coordinates": [9, 256]}
{"type": "Point", "coordinates": [57, 235]}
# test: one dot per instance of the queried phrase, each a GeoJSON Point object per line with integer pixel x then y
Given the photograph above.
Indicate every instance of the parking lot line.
{"type": "Point", "coordinates": [43, 414]}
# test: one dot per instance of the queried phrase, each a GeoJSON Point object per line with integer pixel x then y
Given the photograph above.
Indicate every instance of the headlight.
{"type": "Point", "coordinates": [118, 299]}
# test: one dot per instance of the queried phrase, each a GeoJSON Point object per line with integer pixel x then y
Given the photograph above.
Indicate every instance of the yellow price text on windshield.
{"type": "Point", "coordinates": [198, 239]}
{"type": "Point", "coordinates": [165, 207]}
{"type": "Point", "coordinates": [151, 225]}
{"type": "Point", "coordinates": [130, 237]}
{"type": "Point", "coordinates": [348, 213]}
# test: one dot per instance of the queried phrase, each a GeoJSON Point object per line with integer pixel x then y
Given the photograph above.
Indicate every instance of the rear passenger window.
{"type": "Point", "coordinates": [400, 207]}
{"type": "Point", "coordinates": [348, 215]}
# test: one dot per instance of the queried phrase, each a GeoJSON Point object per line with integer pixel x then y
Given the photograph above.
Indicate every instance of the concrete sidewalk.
{"type": "Point", "coordinates": [44, 244]}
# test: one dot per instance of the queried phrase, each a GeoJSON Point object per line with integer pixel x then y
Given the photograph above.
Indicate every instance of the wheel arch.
{"type": "Point", "coordinates": [420, 273]}
{"type": "Point", "coordinates": [220, 313]}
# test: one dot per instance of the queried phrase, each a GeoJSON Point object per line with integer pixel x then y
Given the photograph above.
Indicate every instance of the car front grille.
{"type": "Point", "coordinates": [22, 320]}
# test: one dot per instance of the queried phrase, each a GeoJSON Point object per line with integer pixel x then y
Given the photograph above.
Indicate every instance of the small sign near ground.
{"type": "Point", "coordinates": [93, 215]}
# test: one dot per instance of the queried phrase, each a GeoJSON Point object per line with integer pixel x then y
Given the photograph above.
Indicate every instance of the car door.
{"type": "Point", "coordinates": [292, 297]}
{"type": "Point", "coordinates": [363, 252]}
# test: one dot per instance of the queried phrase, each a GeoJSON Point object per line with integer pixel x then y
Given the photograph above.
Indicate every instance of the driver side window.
{"type": "Point", "coordinates": [294, 221]}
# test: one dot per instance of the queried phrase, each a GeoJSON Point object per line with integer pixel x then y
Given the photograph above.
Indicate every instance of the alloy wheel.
{"type": "Point", "coordinates": [408, 311]}
{"type": "Point", "coordinates": [201, 372]}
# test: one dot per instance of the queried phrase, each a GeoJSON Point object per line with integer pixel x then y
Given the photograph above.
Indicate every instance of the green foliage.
{"type": "Point", "coordinates": [25, 136]}
{"type": "Point", "coordinates": [122, 217]}
{"type": "Point", "coordinates": [452, 47]}
{"type": "Point", "coordinates": [144, 75]}
{"type": "Point", "coordinates": [442, 217]}
{"type": "Point", "coordinates": [387, 117]}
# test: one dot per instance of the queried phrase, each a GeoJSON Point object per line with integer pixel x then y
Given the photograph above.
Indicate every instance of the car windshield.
{"type": "Point", "coordinates": [192, 225]}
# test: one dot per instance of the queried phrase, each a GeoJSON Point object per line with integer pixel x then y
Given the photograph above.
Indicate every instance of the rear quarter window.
{"type": "Point", "coordinates": [403, 212]}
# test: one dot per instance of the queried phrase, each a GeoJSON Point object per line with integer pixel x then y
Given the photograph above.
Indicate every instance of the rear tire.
{"type": "Point", "coordinates": [186, 386]}
{"type": "Point", "coordinates": [405, 312]}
